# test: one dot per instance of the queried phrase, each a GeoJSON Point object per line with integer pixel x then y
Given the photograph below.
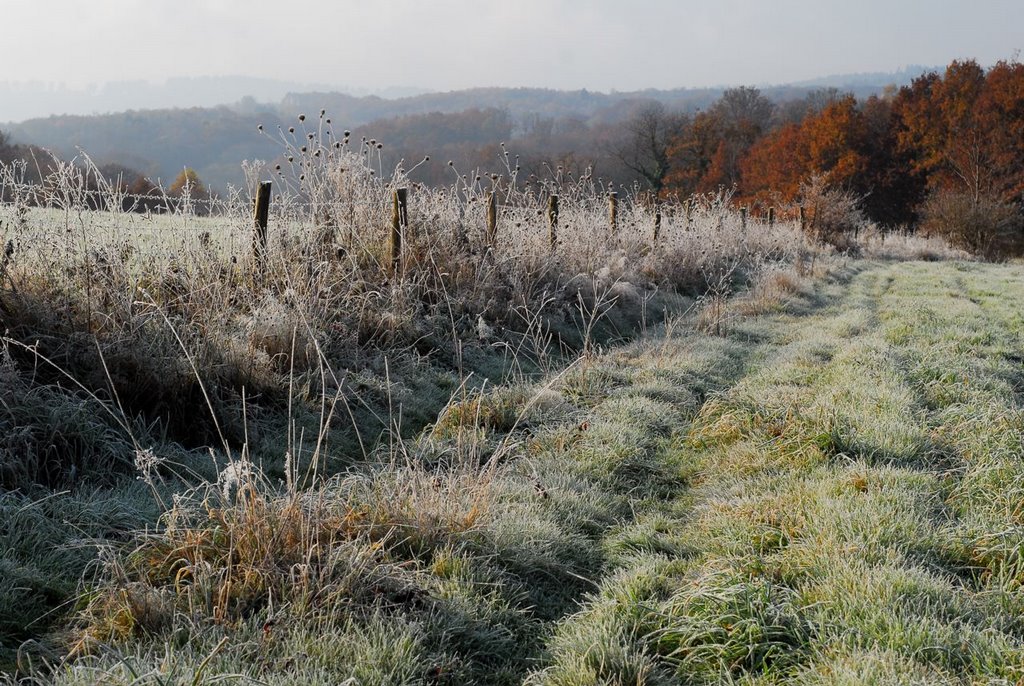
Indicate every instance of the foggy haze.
{"type": "Point", "coordinates": [453, 44]}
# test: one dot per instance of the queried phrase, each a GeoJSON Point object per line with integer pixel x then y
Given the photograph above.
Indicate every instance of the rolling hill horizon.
{"type": "Point", "coordinates": [214, 138]}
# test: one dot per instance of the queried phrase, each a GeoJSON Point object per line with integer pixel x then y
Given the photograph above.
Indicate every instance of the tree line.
{"type": "Point", "coordinates": [944, 155]}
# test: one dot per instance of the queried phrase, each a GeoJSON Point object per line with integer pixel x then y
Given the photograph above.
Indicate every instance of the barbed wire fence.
{"type": "Point", "coordinates": [388, 213]}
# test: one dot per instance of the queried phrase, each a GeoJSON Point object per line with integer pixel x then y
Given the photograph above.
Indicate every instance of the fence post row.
{"type": "Point", "coordinates": [552, 221]}
{"type": "Point", "coordinates": [399, 223]}
{"type": "Point", "coordinates": [261, 216]}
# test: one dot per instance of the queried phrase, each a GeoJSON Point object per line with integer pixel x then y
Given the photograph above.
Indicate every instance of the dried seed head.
{"type": "Point", "coordinates": [260, 127]}
{"type": "Point", "coordinates": [291, 129]}
{"type": "Point", "coordinates": [302, 117]}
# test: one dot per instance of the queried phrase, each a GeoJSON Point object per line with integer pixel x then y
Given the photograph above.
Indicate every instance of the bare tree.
{"type": "Point", "coordinates": [649, 133]}
{"type": "Point", "coordinates": [742, 115]}
{"type": "Point", "coordinates": [744, 109]}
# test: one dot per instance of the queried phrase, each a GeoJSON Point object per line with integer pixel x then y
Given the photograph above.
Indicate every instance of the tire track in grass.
{"type": "Point", "coordinates": [823, 539]}
{"type": "Point", "coordinates": [619, 635]}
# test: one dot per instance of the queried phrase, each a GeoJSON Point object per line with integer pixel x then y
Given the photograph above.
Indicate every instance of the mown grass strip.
{"type": "Point", "coordinates": [852, 516]}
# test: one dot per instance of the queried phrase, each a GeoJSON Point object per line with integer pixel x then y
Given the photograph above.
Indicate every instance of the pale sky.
{"type": "Point", "coordinates": [452, 44]}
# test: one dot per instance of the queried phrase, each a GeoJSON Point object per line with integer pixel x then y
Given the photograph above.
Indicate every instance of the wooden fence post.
{"type": "Point", "coordinates": [803, 220]}
{"type": "Point", "coordinates": [743, 218]}
{"type": "Point", "coordinates": [657, 223]}
{"type": "Point", "coordinates": [688, 211]}
{"type": "Point", "coordinates": [260, 218]}
{"type": "Point", "coordinates": [552, 221]}
{"type": "Point", "coordinates": [492, 218]}
{"type": "Point", "coordinates": [399, 223]}
{"type": "Point", "coordinates": [613, 211]}
{"type": "Point", "coordinates": [771, 217]}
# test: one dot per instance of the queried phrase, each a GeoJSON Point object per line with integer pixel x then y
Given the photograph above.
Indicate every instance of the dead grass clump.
{"type": "Point", "coordinates": [54, 439]}
{"type": "Point", "coordinates": [492, 412]}
{"type": "Point", "coordinates": [770, 287]}
{"type": "Point", "coordinates": [331, 552]}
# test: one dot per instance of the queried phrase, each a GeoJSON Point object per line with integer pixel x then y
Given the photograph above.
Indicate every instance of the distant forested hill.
{"type": "Point", "coordinates": [546, 126]}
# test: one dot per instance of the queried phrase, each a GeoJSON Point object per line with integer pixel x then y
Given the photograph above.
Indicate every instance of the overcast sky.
{"type": "Point", "coordinates": [451, 44]}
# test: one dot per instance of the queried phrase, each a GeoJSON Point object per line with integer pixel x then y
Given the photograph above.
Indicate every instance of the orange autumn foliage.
{"type": "Point", "coordinates": [831, 144]}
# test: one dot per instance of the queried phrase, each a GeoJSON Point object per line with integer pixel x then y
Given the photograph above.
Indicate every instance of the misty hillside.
{"type": "Point", "coordinates": [23, 100]}
{"type": "Point", "coordinates": [465, 126]}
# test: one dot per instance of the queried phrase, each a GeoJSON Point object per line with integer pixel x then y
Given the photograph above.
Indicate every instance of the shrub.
{"type": "Point", "coordinates": [834, 215]}
{"type": "Point", "coordinates": [979, 224]}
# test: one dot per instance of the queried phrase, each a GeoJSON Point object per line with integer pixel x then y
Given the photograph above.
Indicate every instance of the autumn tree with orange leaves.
{"type": "Point", "coordinates": [830, 144]}
{"type": "Point", "coordinates": [706, 154]}
{"type": "Point", "coordinates": [945, 153]}
{"type": "Point", "coordinates": [965, 132]}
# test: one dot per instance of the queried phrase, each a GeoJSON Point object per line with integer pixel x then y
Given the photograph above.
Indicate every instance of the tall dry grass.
{"type": "Point", "coordinates": [165, 315]}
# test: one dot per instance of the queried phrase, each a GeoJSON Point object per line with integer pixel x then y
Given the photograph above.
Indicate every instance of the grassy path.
{"type": "Point", "coordinates": [831, 493]}
{"type": "Point", "coordinates": [856, 503]}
